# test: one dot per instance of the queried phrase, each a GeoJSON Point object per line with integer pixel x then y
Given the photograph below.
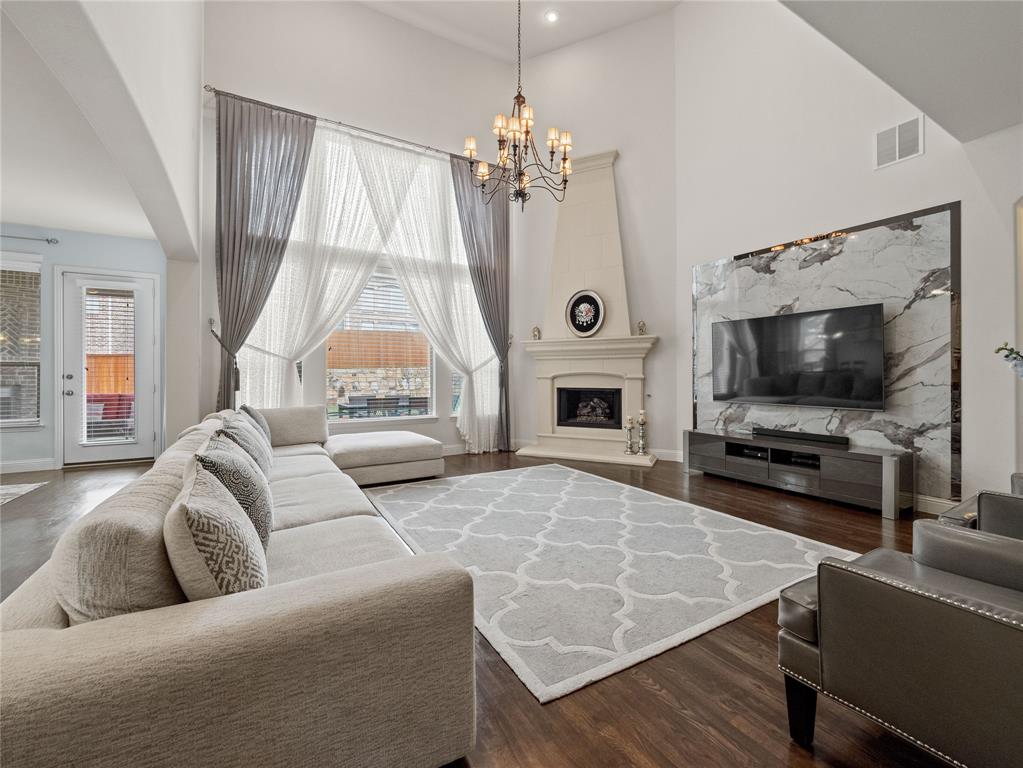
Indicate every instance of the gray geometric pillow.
{"type": "Point", "coordinates": [211, 544]}
{"type": "Point", "coordinates": [249, 438]}
{"type": "Point", "coordinates": [232, 466]}
{"type": "Point", "coordinates": [258, 418]}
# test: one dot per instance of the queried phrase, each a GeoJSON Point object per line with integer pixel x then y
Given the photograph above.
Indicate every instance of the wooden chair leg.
{"type": "Point", "coordinates": [801, 700]}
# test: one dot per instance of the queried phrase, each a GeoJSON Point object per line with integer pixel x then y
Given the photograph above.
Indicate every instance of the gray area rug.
{"type": "Point", "coordinates": [14, 490]}
{"type": "Point", "coordinates": [578, 577]}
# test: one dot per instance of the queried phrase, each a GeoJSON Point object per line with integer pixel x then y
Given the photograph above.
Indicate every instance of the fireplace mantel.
{"type": "Point", "coordinates": [601, 362]}
{"type": "Point", "coordinates": [599, 348]}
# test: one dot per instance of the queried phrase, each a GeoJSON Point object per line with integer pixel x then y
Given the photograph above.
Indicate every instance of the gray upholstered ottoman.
{"type": "Point", "coordinates": [386, 457]}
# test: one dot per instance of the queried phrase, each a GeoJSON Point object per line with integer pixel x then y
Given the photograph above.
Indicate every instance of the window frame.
{"type": "Point", "coordinates": [25, 262]}
{"type": "Point", "coordinates": [384, 267]}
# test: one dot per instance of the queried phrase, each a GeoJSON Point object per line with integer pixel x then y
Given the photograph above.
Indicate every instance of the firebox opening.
{"type": "Point", "coordinates": [595, 408]}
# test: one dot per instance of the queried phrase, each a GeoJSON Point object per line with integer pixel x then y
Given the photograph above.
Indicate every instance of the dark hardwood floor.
{"type": "Point", "coordinates": [717, 700]}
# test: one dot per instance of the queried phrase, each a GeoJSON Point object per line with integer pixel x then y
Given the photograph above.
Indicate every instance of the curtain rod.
{"type": "Point", "coordinates": [210, 89]}
{"type": "Point", "coordinates": [48, 240]}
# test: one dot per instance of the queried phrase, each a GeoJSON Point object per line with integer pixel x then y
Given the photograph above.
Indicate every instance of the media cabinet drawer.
{"type": "Point", "coordinates": [851, 470]}
{"type": "Point", "coordinates": [751, 468]}
{"type": "Point", "coordinates": [700, 445]}
{"type": "Point", "coordinates": [803, 479]}
{"type": "Point", "coordinates": [708, 463]}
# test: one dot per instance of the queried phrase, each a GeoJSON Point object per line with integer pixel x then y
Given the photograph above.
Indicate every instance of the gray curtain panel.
{"type": "Point", "coordinates": [262, 154]}
{"type": "Point", "coordinates": [485, 233]}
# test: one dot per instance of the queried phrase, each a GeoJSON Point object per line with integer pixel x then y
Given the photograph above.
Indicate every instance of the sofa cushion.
{"type": "Point", "coordinates": [299, 449]}
{"type": "Point", "coordinates": [250, 438]}
{"type": "Point", "coordinates": [797, 609]}
{"type": "Point", "coordinates": [303, 465]}
{"type": "Point", "coordinates": [300, 424]}
{"type": "Point", "coordinates": [364, 449]}
{"type": "Point", "coordinates": [315, 498]}
{"type": "Point", "coordinates": [239, 473]}
{"type": "Point", "coordinates": [257, 419]}
{"type": "Point", "coordinates": [113, 560]}
{"type": "Point", "coordinates": [334, 545]}
{"type": "Point", "coordinates": [212, 545]}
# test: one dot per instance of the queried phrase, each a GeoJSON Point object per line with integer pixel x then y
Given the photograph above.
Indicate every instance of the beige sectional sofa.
{"type": "Point", "coordinates": [357, 653]}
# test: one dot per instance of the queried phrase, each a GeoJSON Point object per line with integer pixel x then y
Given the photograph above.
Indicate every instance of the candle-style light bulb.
{"type": "Point", "coordinates": [552, 138]}
{"type": "Point", "coordinates": [566, 166]}
{"type": "Point", "coordinates": [527, 117]}
{"type": "Point", "coordinates": [500, 125]}
{"type": "Point", "coordinates": [566, 141]}
{"type": "Point", "coordinates": [483, 172]}
{"type": "Point", "coordinates": [470, 147]}
{"type": "Point", "coordinates": [514, 127]}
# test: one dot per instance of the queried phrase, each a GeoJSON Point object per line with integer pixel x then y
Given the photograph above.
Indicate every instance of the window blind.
{"type": "Point", "coordinates": [19, 343]}
{"type": "Point", "coordinates": [379, 362]}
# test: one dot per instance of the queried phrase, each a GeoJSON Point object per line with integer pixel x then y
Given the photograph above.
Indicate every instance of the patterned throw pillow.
{"type": "Point", "coordinates": [212, 545]}
{"type": "Point", "coordinates": [232, 466]}
{"type": "Point", "coordinates": [249, 438]}
{"type": "Point", "coordinates": [259, 420]}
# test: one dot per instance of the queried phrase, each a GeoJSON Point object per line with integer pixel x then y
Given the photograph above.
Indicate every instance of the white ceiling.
{"type": "Point", "coordinates": [488, 26]}
{"type": "Point", "coordinates": [55, 172]}
{"type": "Point", "coordinates": [961, 62]}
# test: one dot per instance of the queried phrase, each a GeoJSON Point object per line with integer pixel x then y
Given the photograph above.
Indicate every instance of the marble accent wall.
{"type": "Point", "coordinates": [906, 264]}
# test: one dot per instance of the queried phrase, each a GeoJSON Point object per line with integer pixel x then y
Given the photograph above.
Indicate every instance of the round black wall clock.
{"type": "Point", "coordinates": [585, 313]}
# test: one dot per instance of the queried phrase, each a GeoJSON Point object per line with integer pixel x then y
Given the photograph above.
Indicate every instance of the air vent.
{"type": "Point", "coordinates": [900, 142]}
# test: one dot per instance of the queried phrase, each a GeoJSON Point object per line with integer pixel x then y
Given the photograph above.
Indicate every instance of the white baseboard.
{"type": "Point", "coordinates": [454, 449]}
{"type": "Point", "coordinates": [27, 465]}
{"type": "Point", "coordinates": [932, 505]}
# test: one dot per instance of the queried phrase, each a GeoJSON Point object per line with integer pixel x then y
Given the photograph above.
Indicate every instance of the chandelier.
{"type": "Point", "coordinates": [520, 167]}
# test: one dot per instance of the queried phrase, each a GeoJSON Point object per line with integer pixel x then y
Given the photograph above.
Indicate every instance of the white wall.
{"type": "Point", "coordinates": [774, 142]}
{"type": "Point", "coordinates": [24, 449]}
{"type": "Point", "coordinates": [614, 91]}
{"type": "Point", "coordinates": [342, 61]}
{"type": "Point", "coordinates": [157, 49]}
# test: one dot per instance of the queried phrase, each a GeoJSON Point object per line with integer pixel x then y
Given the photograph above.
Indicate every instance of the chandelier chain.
{"type": "Point", "coordinates": [519, 22]}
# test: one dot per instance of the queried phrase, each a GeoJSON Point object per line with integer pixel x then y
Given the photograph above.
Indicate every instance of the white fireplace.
{"type": "Point", "coordinates": [603, 372]}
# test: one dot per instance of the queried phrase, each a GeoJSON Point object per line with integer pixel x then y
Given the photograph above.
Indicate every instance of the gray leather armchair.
{"type": "Point", "coordinates": [928, 644]}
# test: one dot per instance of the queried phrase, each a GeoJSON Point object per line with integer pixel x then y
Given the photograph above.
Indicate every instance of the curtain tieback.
{"type": "Point", "coordinates": [484, 364]}
{"type": "Point", "coordinates": [268, 353]}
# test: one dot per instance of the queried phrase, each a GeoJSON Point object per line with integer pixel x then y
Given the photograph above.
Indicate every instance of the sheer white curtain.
{"type": "Point", "coordinates": [334, 246]}
{"type": "Point", "coordinates": [414, 200]}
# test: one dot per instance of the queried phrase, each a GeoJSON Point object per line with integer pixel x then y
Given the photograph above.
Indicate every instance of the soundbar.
{"type": "Point", "coordinates": [805, 437]}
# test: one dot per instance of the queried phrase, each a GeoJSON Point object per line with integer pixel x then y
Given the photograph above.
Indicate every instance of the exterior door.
{"type": "Point", "coordinates": [108, 381]}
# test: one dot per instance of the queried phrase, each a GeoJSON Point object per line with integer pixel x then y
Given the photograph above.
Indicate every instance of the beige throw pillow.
{"type": "Point", "coordinates": [249, 437]}
{"type": "Point", "coordinates": [211, 543]}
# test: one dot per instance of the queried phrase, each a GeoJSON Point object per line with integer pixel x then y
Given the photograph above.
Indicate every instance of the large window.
{"type": "Point", "coordinates": [19, 344]}
{"type": "Point", "coordinates": [379, 363]}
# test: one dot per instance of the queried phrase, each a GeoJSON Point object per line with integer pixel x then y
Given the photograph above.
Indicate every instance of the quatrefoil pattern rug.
{"type": "Point", "coordinates": [578, 577]}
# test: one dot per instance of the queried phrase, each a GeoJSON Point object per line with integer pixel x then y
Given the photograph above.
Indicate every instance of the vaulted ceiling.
{"type": "Point", "coordinates": [55, 171]}
{"type": "Point", "coordinates": [961, 63]}
{"type": "Point", "coordinates": [489, 27]}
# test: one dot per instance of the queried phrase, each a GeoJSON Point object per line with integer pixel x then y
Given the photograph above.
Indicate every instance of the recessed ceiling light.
{"type": "Point", "coordinates": [551, 16]}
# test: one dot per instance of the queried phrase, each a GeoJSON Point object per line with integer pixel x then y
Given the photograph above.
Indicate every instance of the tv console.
{"type": "Point", "coordinates": [870, 477]}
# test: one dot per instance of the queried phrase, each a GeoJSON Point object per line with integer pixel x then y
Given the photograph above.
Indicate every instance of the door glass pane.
{"type": "Point", "coordinates": [108, 325]}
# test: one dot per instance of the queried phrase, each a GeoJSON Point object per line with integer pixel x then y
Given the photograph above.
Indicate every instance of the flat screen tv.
{"type": "Point", "coordinates": [831, 358]}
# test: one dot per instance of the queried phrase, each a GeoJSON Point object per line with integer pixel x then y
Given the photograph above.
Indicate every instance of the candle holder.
{"type": "Point", "coordinates": [642, 451]}
{"type": "Point", "coordinates": [629, 450]}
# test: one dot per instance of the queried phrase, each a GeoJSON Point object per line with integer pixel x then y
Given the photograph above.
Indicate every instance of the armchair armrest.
{"type": "Point", "coordinates": [370, 666]}
{"type": "Point", "coordinates": [978, 555]}
{"type": "Point", "coordinates": [963, 515]}
{"type": "Point", "coordinates": [911, 647]}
